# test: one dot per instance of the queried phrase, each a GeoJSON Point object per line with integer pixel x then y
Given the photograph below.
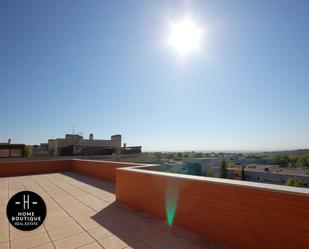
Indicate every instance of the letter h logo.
{"type": "Point", "coordinates": [26, 201]}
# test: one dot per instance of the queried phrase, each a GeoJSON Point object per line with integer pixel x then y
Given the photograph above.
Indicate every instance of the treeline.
{"type": "Point", "coordinates": [179, 155]}
{"type": "Point", "coordinates": [295, 162]}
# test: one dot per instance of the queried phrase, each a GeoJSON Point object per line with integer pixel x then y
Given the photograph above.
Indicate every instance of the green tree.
{"type": "Point", "coordinates": [300, 162]}
{"type": "Point", "coordinates": [294, 182]}
{"type": "Point", "coordinates": [28, 151]}
{"type": "Point", "coordinates": [169, 156]}
{"type": "Point", "coordinates": [179, 154]}
{"type": "Point", "coordinates": [297, 183]}
{"type": "Point", "coordinates": [282, 161]}
{"type": "Point", "coordinates": [198, 154]}
{"type": "Point", "coordinates": [290, 182]}
{"type": "Point", "coordinates": [158, 155]}
{"type": "Point", "coordinates": [243, 176]}
{"type": "Point", "coordinates": [186, 154]}
{"type": "Point", "coordinates": [224, 172]}
{"type": "Point", "coordinates": [210, 174]}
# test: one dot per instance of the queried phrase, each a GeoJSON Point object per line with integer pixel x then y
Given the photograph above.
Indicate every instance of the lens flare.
{"type": "Point", "coordinates": [171, 199]}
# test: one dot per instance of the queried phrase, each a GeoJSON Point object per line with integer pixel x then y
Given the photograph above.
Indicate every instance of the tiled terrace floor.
{"type": "Point", "coordinates": [82, 213]}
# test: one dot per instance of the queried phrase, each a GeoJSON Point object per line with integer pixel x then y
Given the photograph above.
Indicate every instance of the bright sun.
{"type": "Point", "coordinates": [184, 36]}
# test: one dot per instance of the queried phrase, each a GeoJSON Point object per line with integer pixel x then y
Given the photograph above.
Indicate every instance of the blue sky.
{"type": "Point", "coordinates": [104, 67]}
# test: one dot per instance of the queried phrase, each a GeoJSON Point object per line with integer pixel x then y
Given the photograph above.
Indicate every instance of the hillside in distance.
{"type": "Point", "coordinates": [291, 153]}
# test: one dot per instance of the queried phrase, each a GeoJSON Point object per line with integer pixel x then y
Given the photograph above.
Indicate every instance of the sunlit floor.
{"type": "Point", "coordinates": [82, 213]}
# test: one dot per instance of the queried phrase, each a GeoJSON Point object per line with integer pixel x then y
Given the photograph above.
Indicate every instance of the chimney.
{"type": "Point", "coordinates": [9, 141]}
{"type": "Point", "coordinates": [124, 145]}
{"type": "Point", "coordinates": [91, 136]}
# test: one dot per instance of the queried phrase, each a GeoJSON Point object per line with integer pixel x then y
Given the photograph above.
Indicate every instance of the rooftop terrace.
{"type": "Point", "coordinates": [96, 204]}
{"type": "Point", "coordinates": [82, 213]}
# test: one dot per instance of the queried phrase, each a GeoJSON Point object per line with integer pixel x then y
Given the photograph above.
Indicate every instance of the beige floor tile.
{"type": "Point", "coordinates": [99, 207]}
{"type": "Point", "coordinates": [60, 233]}
{"type": "Point", "coordinates": [18, 234]}
{"type": "Point", "coordinates": [94, 245]}
{"type": "Point", "coordinates": [4, 236]}
{"type": "Point", "coordinates": [45, 246]}
{"type": "Point", "coordinates": [30, 241]}
{"type": "Point", "coordinates": [57, 223]}
{"type": "Point", "coordinates": [55, 216]}
{"type": "Point", "coordinates": [112, 242]}
{"type": "Point", "coordinates": [84, 216]}
{"type": "Point", "coordinates": [89, 199]}
{"type": "Point", "coordinates": [55, 211]}
{"type": "Point", "coordinates": [78, 210]}
{"type": "Point", "coordinates": [4, 224]}
{"type": "Point", "coordinates": [4, 245]}
{"type": "Point", "coordinates": [74, 241]}
{"type": "Point", "coordinates": [3, 214]}
{"type": "Point", "coordinates": [100, 233]}
{"type": "Point", "coordinates": [89, 224]}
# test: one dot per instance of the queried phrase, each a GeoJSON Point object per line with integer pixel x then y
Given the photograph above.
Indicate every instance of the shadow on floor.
{"type": "Point", "coordinates": [142, 231]}
{"type": "Point", "coordinates": [104, 185]}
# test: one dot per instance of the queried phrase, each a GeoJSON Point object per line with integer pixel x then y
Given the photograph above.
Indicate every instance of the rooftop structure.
{"type": "Point", "coordinates": [74, 144]}
{"type": "Point", "coordinates": [11, 150]}
{"type": "Point", "coordinates": [97, 204]}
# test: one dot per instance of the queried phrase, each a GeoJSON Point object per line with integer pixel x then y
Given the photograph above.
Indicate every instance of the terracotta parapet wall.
{"type": "Point", "coordinates": [241, 215]}
{"type": "Point", "coordinates": [105, 170]}
{"type": "Point", "coordinates": [29, 167]}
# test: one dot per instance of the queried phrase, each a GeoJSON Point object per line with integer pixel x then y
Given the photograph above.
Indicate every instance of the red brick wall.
{"type": "Point", "coordinates": [17, 168]}
{"type": "Point", "coordinates": [99, 169]}
{"type": "Point", "coordinates": [237, 216]}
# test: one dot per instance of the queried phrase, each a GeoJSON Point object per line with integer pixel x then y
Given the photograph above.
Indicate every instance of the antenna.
{"type": "Point", "coordinates": [73, 128]}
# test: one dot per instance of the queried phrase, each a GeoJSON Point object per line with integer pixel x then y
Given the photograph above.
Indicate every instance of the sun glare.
{"type": "Point", "coordinates": [185, 36]}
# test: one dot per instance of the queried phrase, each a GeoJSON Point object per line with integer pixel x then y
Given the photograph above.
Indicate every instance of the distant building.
{"type": "Point", "coordinates": [44, 147]}
{"type": "Point", "coordinates": [208, 166]}
{"type": "Point", "coordinates": [40, 150]}
{"type": "Point", "coordinates": [74, 144]}
{"type": "Point", "coordinates": [249, 160]}
{"type": "Point", "coordinates": [131, 149]}
{"type": "Point", "coordinates": [8, 150]}
{"type": "Point", "coordinates": [270, 174]}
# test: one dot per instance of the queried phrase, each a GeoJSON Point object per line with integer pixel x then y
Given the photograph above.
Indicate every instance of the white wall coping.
{"type": "Point", "coordinates": [111, 162]}
{"type": "Point", "coordinates": [236, 183]}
